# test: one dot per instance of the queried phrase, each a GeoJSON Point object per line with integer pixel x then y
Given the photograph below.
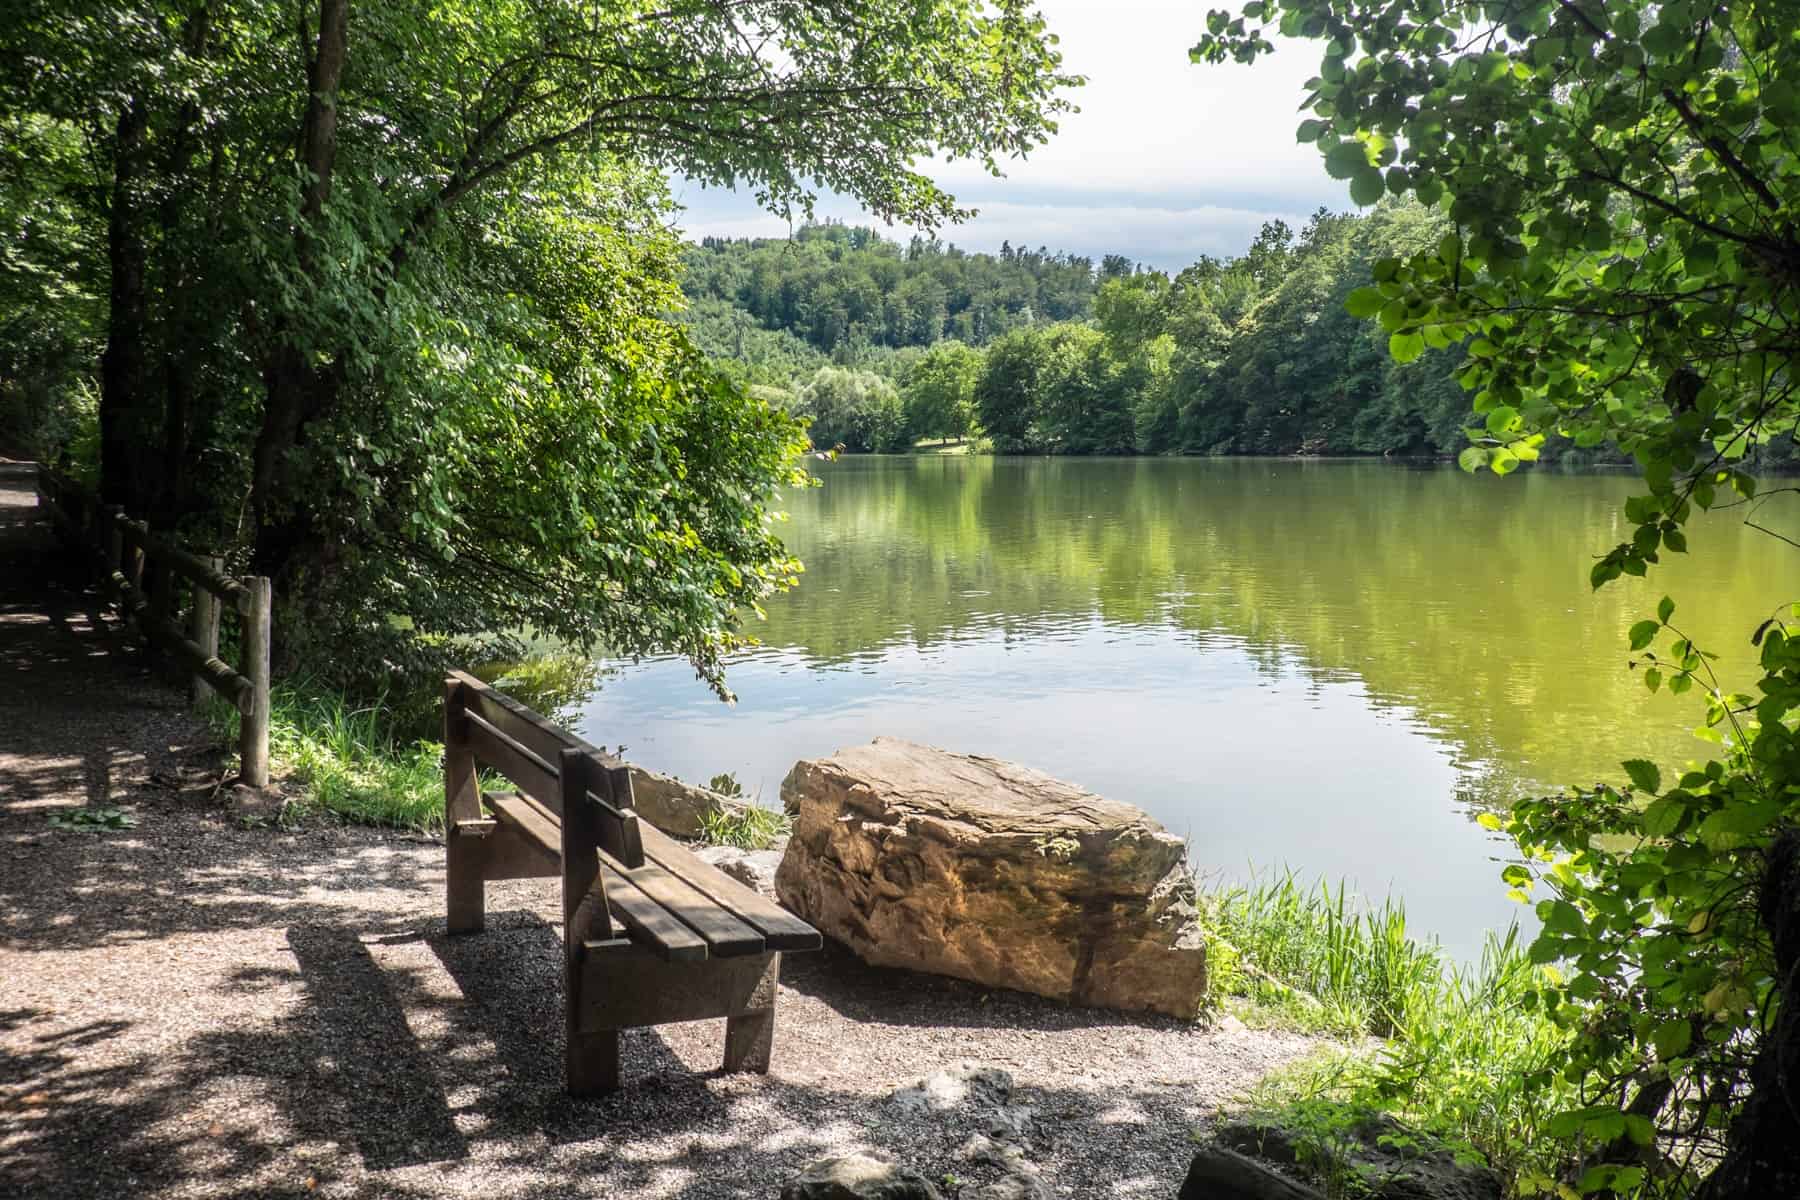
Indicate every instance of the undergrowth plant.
{"type": "Point", "coordinates": [1464, 1052]}
{"type": "Point", "coordinates": [748, 826]}
{"type": "Point", "coordinates": [349, 757]}
{"type": "Point", "coordinates": [94, 820]}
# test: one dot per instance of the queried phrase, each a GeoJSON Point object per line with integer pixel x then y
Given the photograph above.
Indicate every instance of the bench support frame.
{"type": "Point", "coordinates": [610, 983]}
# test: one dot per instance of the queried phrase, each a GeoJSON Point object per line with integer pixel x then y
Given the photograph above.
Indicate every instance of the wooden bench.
{"type": "Point", "coordinates": [651, 934]}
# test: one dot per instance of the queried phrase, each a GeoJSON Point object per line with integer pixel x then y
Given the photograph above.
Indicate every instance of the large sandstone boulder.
{"type": "Point", "coordinates": [992, 872]}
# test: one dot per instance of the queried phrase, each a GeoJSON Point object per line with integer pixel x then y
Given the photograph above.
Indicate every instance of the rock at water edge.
{"type": "Point", "coordinates": [989, 871]}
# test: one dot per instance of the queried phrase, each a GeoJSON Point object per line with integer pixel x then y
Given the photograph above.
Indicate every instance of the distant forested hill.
{"type": "Point", "coordinates": [882, 343]}
{"type": "Point", "coordinates": [849, 294]}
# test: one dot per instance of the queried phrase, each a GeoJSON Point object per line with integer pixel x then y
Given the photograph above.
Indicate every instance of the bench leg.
{"type": "Point", "coordinates": [465, 892]}
{"type": "Point", "coordinates": [591, 1067]}
{"type": "Point", "coordinates": [750, 1034]}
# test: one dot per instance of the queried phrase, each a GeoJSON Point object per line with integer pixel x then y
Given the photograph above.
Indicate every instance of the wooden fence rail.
{"type": "Point", "coordinates": [143, 572]}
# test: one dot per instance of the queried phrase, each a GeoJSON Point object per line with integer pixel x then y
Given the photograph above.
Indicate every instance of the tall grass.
{"type": "Point", "coordinates": [748, 826]}
{"type": "Point", "coordinates": [1458, 1040]}
{"type": "Point", "coordinates": [1315, 956]}
{"type": "Point", "coordinates": [350, 757]}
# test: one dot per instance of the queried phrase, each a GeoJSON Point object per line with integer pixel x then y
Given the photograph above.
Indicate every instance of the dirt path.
{"type": "Point", "coordinates": [194, 1009]}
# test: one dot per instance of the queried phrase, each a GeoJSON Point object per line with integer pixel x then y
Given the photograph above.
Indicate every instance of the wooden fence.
{"type": "Point", "coordinates": [144, 574]}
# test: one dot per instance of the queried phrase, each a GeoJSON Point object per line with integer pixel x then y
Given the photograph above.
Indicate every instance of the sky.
{"type": "Point", "coordinates": [1166, 160]}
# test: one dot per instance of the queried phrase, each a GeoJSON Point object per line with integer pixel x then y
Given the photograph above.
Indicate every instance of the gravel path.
{"type": "Point", "coordinates": [192, 1008]}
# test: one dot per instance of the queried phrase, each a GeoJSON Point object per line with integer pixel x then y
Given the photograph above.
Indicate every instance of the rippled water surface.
{"type": "Point", "coordinates": [1323, 665]}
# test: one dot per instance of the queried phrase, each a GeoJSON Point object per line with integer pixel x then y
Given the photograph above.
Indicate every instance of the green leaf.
{"type": "Point", "coordinates": [1671, 1038]}
{"type": "Point", "coordinates": [1665, 609]}
{"type": "Point", "coordinates": [1645, 776]}
{"type": "Point", "coordinates": [1472, 459]}
{"type": "Point", "coordinates": [1664, 816]}
{"type": "Point", "coordinates": [1346, 160]}
{"type": "Point", "coordinates": [1367, 187]}
{"type": "Point", "coordinates": [1406, 347]}
{"type": "Point", "coordinates": [1364, 302]}
{"type": "Point", "coordinates": [1643, 633]}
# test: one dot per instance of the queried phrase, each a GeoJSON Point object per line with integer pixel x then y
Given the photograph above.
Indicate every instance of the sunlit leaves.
{"type": "Point", "coordinates": [1620, 177]}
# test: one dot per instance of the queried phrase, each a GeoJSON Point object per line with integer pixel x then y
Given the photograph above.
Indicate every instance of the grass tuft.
{"type": "Point", "coordinates": [1458, 1042]}
{"type": "Point", "coordinates": [1316, 958]}
{"type": "Point", "coordinates": [349, 757]}
{"type": "Point", "coordinates": [750, 827]}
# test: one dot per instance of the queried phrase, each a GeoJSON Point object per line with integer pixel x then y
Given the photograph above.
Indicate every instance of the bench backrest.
{"type": "Point", "coordinates": [589, 790]}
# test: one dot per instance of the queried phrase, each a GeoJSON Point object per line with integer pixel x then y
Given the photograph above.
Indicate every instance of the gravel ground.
{"type": "Point", "coordinates": [192, 1008]}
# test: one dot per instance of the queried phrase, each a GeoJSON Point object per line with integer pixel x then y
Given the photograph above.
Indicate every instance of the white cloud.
{"type": "Point", "coordinates": [1166, 160]}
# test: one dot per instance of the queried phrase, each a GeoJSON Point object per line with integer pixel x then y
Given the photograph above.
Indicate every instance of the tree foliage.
{"type": "Point", "coordinates": [847, 292]}
{"type": "Point", "coordinates": [939, 391]}
{"type": "Point", "coordinates": [1622, 269]}
{"type": "Point", "coordinates": [375, 289]}
{"type": "Point", "coordinates": [855, 410]}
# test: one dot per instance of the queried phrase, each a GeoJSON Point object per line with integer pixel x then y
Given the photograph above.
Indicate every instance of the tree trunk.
{"type": "Point", "coordinates": [1763, 1149]}
{"type": "Point", "coordinates": [296, 390]}
{"type": "Point", "coordinates": [127, 430]}
{"type": "Point", "coordinates": [182, 330]}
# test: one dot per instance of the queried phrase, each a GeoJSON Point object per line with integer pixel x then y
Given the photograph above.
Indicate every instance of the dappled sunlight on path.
{"type": "Point", "coordinates": [193, 1008]}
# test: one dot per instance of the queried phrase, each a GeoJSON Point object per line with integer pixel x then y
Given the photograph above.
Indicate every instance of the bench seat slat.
{"type": "Point", "coordinates": [652, 924]}
{"type": "Point", "coordinates": [781, 929]}
{"type": "Point", "coordinates": [726, 936]}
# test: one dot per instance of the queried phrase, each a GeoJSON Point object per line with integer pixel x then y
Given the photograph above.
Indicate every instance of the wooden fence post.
{"type": "Point", "coordinates": [253, 736]}
{"type": "Point", "coordinates": [134, 574]}
{"type": "Point", "coordinates": [114, 548]}
{"type": "Point", "coordinates": [465, 891]}
{"type": "Point", "coordinates": [203, 626]}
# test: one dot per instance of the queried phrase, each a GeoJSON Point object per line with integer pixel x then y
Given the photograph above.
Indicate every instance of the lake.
{"type": "Point", "coordinates": [1328, 666]}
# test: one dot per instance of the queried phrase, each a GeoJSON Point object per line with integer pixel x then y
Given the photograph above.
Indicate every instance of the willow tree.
{"type": "Point", "coordinates": [1624, 269]}
{"type": "Point", "coordinates": [384, 280]}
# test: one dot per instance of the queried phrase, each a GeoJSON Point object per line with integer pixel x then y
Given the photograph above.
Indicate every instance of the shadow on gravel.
{"type": "Point", "coordinates": [398, 1082]}
{"type": "Point", "coordinates": [510, 980]}
{"type": "Point", "coordinates": [357, 1042]}
{"type": "Point", "coordinates": [894, 996]}
{"type": "Point", "coordinates": [181, 872]}
{"type": "Point", "coordinates": [76, 696]}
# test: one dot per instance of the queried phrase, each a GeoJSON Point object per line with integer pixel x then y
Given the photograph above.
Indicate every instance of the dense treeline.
{"type": "Point", "coordinates": [1251, 355]}
{"type": "Point", "coordinates": [847, 292]}
{"type": "Point", "coordinates": [1057, 354]}
{"type": "Point", "coordinates": [1255, 354]}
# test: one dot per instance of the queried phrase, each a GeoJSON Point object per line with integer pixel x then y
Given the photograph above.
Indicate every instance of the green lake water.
{"type": "Point", "coordinates": [1323, 665]}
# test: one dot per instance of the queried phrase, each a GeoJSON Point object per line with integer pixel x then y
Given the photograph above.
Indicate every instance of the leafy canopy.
{"type": "Point", "coordinates": [385, 315]}
{"type": "Point", "coordinates": [1622, 270]}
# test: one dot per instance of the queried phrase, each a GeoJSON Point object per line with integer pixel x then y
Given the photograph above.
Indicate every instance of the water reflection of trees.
{"type": "Point", "coordinates": [1461, 600]}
